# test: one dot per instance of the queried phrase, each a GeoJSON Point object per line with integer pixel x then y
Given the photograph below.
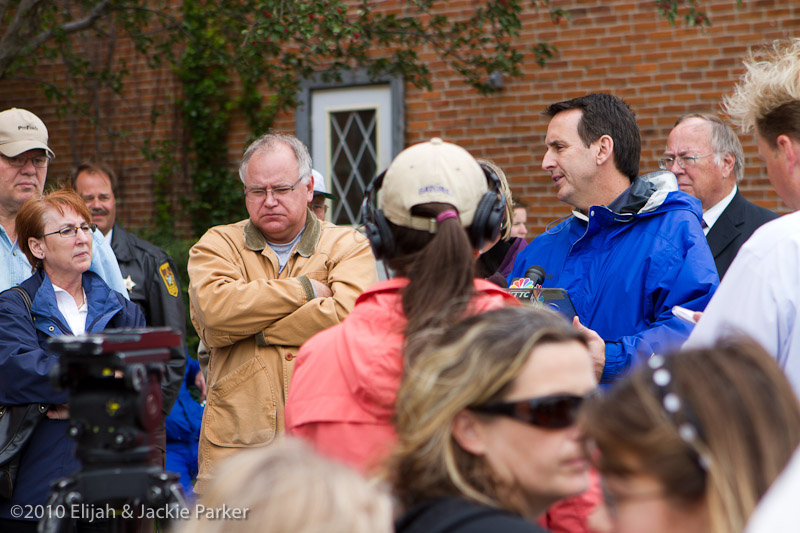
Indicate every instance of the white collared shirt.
{"type": "Point", "coordinates": [759, 296]}
{"type": "Point", "coordinates": [75, 316]}
{"type": "Point", "coordinates": [711, 216]}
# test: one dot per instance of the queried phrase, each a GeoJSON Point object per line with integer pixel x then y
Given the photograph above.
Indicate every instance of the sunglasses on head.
{"type": "Point", "coordinates": [552, 412]}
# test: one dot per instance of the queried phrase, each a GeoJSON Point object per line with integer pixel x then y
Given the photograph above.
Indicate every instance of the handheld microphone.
{"type": "Point", "coordinates": [536, 274]}
{"type": "Point", "coordinates": [523, 288]}
{"type": "Point", "coordinates": [529, 291]}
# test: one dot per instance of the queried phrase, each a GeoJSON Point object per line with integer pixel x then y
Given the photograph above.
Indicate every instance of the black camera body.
{"type": "Point", "coordinates": [114, 384]}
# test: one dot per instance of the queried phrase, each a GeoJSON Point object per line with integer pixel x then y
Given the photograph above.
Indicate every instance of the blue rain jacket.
{"type": "Point", "coordinates": [25, 366]}
{"type": "Point", "coordinates": [625, 270]}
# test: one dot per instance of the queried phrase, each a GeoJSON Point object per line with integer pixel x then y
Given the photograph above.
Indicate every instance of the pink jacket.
{"type": "Point", "coordinates": [342, 394]}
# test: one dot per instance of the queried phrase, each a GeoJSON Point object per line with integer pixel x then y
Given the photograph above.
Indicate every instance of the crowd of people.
{"type": "Point", "coordinates": [435, 400]}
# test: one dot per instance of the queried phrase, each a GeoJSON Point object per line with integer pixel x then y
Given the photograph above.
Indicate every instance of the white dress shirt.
{"type": "Point", "coordinates": [76, 316]}
{"type": "Point", "coordinates": [760, 296]}
{"type": "Point", "coordinates": [711, 216]}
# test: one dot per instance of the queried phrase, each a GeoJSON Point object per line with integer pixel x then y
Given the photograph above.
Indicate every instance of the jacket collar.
{"type": "Point", "coordinates": [120, 238]}
{"type": "Point", "coordinates": [255, 241]}
{"type": "Point", "coordinates": [646, 194]}
{"type": "Point", "coordinates": [102, 302]}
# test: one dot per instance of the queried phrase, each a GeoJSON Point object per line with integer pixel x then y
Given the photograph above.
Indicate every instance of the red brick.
{"type": "Point", "coordinates": [621, 46]}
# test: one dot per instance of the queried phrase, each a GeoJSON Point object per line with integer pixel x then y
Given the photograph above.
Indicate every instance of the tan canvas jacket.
{"type": "Point", "coordinates": [253, 320]}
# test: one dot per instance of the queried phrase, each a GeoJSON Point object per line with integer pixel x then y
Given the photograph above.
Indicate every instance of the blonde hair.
{"type": "Point", "coordinates": [742, 409]}
{"type": "Point", "coordinates": [768, 93]}
{"type": "Point", "coordinates": [471, 363]}
{"type": "Point", "coordinates": [287, 487]}
{"type": "Point", "coordinates": [508, 218]}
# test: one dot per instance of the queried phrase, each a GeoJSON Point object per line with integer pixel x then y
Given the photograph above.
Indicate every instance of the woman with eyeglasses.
{"type": "Point", "coordinates": [692, 441]}
{"type": "Point", "coordinates": [54, 233]}
{"type": "Point", "coordinates": [486, 428]}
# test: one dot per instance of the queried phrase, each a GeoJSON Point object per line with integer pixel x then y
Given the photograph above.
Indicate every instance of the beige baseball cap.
{"type": "Point", "coordinates": [20, 131]}
{"type": "Point", "coordinates": [433, 171]}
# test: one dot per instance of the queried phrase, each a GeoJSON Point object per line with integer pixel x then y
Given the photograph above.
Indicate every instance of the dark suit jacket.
{"type": "Point", "coordinates": [739, 220]}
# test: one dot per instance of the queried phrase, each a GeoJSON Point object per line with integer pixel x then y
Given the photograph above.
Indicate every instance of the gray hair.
{"type": "Point", "coordinates": [268, 142]}
{"type": "Point", "coordinates": [723, 141]}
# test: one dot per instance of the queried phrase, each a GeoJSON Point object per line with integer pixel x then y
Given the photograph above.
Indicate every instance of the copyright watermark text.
{"type": "Point", "coordinates": [91, 513]}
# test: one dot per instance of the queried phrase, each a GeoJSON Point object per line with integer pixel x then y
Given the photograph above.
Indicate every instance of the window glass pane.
{"type": "Point", "coordinates": [354, 161]}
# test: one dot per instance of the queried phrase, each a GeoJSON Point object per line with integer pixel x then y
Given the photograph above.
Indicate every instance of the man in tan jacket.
{"type": "Point", "coordinates": [261, 287]}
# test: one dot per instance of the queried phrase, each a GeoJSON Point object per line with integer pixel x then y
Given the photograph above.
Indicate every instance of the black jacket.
{"type": "Point", "coordinates": [734, 226]}
{"type": "Point", "coordinates": [457, 515]}
{"type": "Point", "coordinates": [152, 281]}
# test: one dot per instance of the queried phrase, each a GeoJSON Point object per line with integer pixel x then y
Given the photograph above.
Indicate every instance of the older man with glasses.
{"type": "Point", "coordinates": [317, 203]}
{"type": "Point", "coordinates": [706, 156]}
{"type": "Point", "coordinates": [24, 159]}
{"type": "Point", "coordinates": [261, 287]}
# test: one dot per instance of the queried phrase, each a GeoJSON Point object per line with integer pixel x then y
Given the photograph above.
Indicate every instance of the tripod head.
{"type": "Point", "coordinates": [113, 379]}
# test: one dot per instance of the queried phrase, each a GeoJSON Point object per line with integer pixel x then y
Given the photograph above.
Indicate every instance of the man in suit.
{"type": "Point", "coordinates": [706, 156]}
{"type": "Point", "coordinates": [150, 275]}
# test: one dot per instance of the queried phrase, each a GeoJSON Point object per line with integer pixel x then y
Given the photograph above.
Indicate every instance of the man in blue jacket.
{"type": "Point", "coordinates": [633, 246]}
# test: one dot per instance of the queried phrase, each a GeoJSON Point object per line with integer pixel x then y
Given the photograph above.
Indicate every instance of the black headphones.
{"type": "Point", "coordinates": [484, 228]}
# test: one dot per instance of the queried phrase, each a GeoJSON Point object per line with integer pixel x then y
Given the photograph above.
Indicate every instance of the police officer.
{"type": "Point", "coordinates": [149, 273]}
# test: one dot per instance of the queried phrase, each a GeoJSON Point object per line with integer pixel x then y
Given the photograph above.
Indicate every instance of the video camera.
{"type": "Point", "coordinates": [114, 384]}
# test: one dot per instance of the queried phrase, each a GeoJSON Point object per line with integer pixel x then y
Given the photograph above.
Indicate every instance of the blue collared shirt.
{"type": "Point", "coordinates": [18, 269]}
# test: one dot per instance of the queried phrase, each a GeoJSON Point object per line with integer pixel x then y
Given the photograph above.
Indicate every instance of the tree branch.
{"type": "Point", "coordinates": [71, 27]}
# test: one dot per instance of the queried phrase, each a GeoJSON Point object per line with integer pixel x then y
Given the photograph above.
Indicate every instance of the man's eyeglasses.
{"type": "Point", "coordinates": [552, 412]}
{"type": "Point", "coordinates": [259, 194]}
{"type": "Point", "coordinates": [684, 161]}
{"type": "Point", "coordinates": [39, 161]}
{"type": "Point", "coordinates": [71, 231]}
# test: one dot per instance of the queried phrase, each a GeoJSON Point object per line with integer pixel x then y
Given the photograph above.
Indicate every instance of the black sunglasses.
{"type": "Point", "coordinates": [552, 412]}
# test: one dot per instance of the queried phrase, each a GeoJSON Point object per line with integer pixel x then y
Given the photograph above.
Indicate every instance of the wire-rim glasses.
{"type": "Point", "coordinates": [684, 161]}
{"type": "Point", "coordinates": [70, 231]}
{"type": "Point", "coordinates": [259, 194]}
{"type": "Point", "coordinates": [39, 161]}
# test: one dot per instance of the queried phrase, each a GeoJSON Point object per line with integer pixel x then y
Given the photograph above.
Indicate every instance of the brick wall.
{"type": "Point", "coordinates": [618, 46]}
{"type": "Point", "coordinates": [621, 47]}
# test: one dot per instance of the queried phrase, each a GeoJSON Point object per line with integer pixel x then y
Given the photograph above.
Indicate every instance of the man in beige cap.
{"type": "Point", "coordinates": [24, 158]}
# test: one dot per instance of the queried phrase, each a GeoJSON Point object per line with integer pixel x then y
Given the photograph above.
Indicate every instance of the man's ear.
{"type": "Point", "coordinates": [36, 247]}
{"type": "Point", "coordinates": [309, 189]}
{"type": "Point", "coordinates": [605, 149]}
{"type": "Point", "coordinates": [790, 150]}
{"type": "Point", "coordinates": [727, 164]}
{"type": "Point", "coordinates": [469, 433]}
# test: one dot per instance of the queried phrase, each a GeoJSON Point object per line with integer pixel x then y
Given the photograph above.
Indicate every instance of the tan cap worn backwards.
{"type": "Point", "coordinates": [433, 171]}
{"type": "Point", "coordinates": [20, 131]}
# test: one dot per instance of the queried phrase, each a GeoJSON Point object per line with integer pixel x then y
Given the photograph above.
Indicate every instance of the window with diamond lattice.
{"type": "Point", "coordinates": [353, 128]}
{"type": "Point", "coordinates": [354, 160]}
